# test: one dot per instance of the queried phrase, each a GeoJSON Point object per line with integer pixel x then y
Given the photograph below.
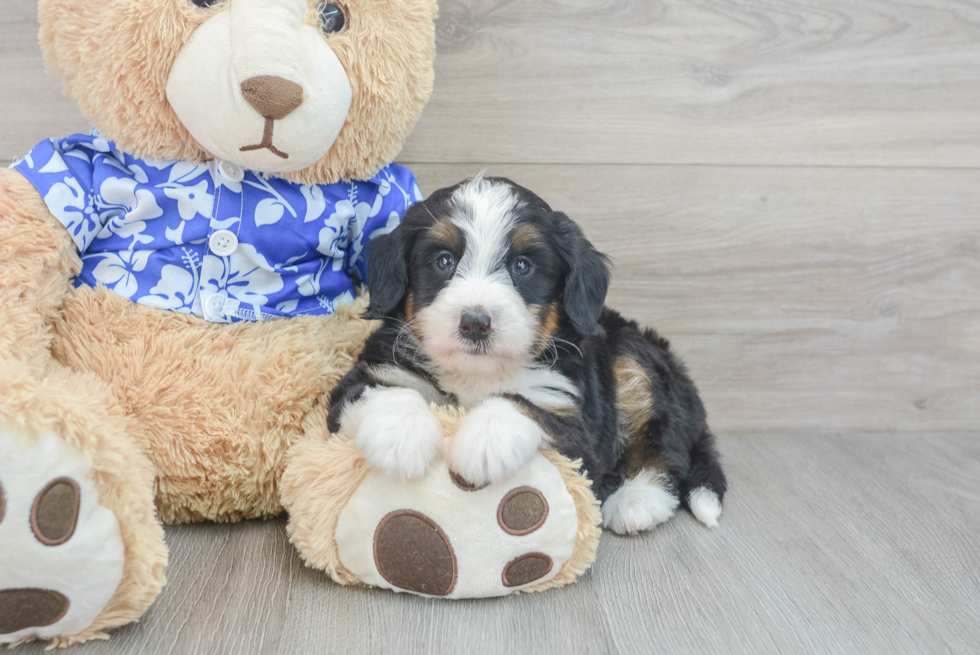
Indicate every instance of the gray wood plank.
{"type": "Point", "coordinates": [32, 106]}
{"type": "Point", "coordinates": [858, 543]}
{"type": "Point", "coordinates": [836, 82]}
{"type": "Point", "coordinates": [876, 82]}
{"type": "Point", "coordinates": [804, 299]}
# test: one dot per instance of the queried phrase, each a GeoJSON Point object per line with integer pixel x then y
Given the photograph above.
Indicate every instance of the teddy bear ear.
{"type": "Point", "coordinates": [387, 272]}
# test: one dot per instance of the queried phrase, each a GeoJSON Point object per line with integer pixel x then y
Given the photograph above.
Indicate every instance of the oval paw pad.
{"type": "Point", "coordinates": [30, 608]}
{"type": "Point", "coordinates": [413, 553]}
{"type": "Point", "coordinates": [522, 511]}
{"type": "Point", "coordinates": [526, 568]}
{"type": "Point", "coordinates": [55, 512]}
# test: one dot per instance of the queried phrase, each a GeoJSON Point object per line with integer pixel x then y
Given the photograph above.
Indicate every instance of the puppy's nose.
{"type": "Point", "coordinates": [273, 97]}
{"type": "Point", "coordinates": [474, 326]}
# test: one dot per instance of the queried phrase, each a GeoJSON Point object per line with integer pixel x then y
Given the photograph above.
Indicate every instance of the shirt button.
{"type": "Point", "coordinates": [214, 306]}
{"type": "Point", "coordinates": [231, 171]}
{"type": "Point", "coordinates": [223, 243]}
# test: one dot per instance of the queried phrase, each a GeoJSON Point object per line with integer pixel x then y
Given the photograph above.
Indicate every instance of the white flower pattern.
{"type": "Point", "coordinates": [143, 227]}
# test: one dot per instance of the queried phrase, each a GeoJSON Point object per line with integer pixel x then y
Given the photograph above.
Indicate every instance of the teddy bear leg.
{"type": "Point", "coordinates": [82, 550]}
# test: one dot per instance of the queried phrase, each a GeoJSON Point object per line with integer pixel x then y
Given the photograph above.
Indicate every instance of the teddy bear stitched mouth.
{"type": "Point", "coordinates": [266, 141]}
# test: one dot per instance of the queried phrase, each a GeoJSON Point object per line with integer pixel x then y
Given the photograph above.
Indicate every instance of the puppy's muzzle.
{"type": "Point", "coordinates": [475, 326]}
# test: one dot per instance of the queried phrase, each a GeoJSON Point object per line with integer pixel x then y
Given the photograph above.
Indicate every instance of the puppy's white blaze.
{"type": "Point", "coordinates": [639, 505]}
{"type": "Point", "coordinates": [396, 376]}
{"type": "Point", "coordinates": [705, 506]}
{"type": "Point", "coordinates": [484, 213]}
{"type": "Point", "coordinates": [494, 441]}
{"type": "Point", "coordinates": [394, 429]}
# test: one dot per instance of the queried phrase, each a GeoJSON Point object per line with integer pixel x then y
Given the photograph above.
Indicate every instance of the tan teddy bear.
{"type": "Point", "coordinates": [178, 297]}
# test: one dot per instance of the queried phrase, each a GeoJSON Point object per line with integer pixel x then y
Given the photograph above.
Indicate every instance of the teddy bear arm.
{"type": "Point", "coordinates": [38, 260]}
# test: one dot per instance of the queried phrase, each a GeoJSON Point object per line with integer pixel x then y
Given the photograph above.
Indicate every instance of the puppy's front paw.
{"type": "Point", "coordinates": [494, 441]}
{"type": "Point", "coordinates": [396, 431]}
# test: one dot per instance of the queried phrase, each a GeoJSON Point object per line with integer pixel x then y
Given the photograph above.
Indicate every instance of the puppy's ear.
{"type": "Point", "coordinates": [587, 277]}
{"type": "Point", "coordinates": [387, 272]}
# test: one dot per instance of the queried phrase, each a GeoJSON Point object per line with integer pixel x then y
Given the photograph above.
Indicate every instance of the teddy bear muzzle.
{"type": "Point", "coordinates": [259, 86]}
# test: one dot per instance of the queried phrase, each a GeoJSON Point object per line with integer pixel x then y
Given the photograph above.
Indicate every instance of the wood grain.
{"type": "Point", "coordinates": [828, 82]}
{"type": "Point", "coordinates": [835, 82]}
{"type": "Point", "coordinates": [812, 299]}
{"type": "Point", "coordinates": [842, 544]}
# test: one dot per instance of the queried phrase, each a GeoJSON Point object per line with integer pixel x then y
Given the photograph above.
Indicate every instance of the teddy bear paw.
{"type": "Point", "coordinates": [441, 535]}
{"type": "Point", "coordinates": [62, 551]}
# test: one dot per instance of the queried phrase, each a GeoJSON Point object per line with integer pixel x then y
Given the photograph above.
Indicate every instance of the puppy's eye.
{"type": "Point", "coordinates": [206, 4]}
{"type": "Point", "coordinates": [446, 262]}
{"type": "Point", "coordinates": [521, 266]}
{"type": "Point", "coordinates": [333, 18]}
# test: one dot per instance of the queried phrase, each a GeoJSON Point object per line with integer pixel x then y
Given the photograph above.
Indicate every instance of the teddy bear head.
{"type": "Point", "coordinates": [314, 91]}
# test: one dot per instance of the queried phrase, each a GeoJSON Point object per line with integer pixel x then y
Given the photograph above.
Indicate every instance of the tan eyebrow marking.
{"type": "Point", "coordinates": [445, 231]}
{"type": "Point", "coordinates": [525, 236]}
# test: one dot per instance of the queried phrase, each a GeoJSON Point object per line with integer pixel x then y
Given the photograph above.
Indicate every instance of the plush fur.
{"type": "Point", "coordinates": [242, 391]}
{"type": "Point", "coordinates": [492, 301]}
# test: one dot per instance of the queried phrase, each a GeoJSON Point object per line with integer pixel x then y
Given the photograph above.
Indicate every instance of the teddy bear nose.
{"type": "Point", "coordinates": [273, 97]}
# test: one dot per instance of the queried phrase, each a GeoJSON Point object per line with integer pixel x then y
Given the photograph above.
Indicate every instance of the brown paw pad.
{"type": "Point", "coordinates": [55, 512]}
{"type": "Point", "coordinates": [30, 608]}
{"type": "Point", "coordinates": [463, 483]}
{"type": "Point", "coordinates": [526, 568]}
{"type": "Point", "coordinates": [413, 553]}
{"type": "Point", "coordinates": [522, 511]}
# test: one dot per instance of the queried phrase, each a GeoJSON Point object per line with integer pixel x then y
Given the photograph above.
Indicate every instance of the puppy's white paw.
{"type": "Point", "coordinates": [494, 441]}
{"type": "Point", "coordinates": [395, 430]}
{"type": "Point", "coordinates": [638, 505]}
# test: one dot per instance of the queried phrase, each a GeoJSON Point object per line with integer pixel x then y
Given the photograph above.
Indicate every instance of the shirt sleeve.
{"type": "Point", "coordinates": [396, 191]}
{"type": "Point", "coordinates": [62, 170]}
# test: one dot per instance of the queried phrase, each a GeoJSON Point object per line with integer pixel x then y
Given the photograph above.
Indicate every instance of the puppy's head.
{"type": "Point", "coordinates": [485, 272]}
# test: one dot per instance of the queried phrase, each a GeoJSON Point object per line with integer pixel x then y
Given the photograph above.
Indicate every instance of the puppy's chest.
{"type": "Point", "coordinates": [543, 387]}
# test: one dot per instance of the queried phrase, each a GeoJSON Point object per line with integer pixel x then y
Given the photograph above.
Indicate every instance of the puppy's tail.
{"type": "Point", "coordinates": [706, 484]}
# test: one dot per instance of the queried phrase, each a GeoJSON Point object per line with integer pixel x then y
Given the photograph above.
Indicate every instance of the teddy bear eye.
{"type": "Point", "coordinates": [206, 4]}
{"type": "Point", "coordinates": [333, 18]}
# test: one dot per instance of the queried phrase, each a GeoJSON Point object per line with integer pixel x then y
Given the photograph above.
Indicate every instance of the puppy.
{"type": "Point", "coordinates": [491, 301]}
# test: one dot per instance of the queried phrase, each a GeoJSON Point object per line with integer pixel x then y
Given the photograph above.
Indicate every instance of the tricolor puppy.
{"type": "Point", "coordinates": [492, 301]}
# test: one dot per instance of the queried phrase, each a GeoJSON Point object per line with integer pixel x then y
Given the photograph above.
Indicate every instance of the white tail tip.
{"type": "Point", "coordinates": [705, 506]}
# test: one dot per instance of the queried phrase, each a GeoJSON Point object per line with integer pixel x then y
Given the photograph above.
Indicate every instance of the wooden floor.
{"type": "Point", "coordinates": [829, 544]}
{"type": "Point", "coordinates": [790, 191]}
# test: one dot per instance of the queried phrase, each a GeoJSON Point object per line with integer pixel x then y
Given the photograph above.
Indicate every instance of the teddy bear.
{"type": "Point", "coordinates": [180, 290]}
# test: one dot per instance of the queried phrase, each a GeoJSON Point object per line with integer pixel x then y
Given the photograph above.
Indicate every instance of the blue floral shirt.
{"type": "Point", "coordinates": [210, 238]}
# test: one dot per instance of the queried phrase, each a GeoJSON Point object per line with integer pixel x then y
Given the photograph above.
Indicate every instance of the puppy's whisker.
{"type": "Point", "coordinates": [556, 340]}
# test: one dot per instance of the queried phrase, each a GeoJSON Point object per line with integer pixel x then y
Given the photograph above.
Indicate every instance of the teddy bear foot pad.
{"type": "Point", "coordinates": [63, 554]}
{"type": "Point", "coordinates": [440, 536]}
